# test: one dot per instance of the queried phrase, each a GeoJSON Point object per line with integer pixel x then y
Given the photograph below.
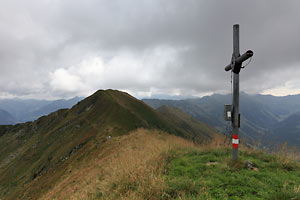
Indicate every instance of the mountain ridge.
{"type": "Point", "coordinates": [35, 154]}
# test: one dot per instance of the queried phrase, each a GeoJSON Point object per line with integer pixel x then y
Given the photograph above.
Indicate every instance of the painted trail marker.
{"type": "Point", "coordinates": [231, 112]}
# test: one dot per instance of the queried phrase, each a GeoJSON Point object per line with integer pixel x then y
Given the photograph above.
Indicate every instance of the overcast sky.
{"type": "Point", "coordinates": [63, 48]}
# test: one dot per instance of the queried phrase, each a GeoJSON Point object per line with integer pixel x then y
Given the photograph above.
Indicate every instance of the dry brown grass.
{"type": "Point", "coordinates": [132, 167]}
{"type": "Point", "coordinates": [127, 167]}
{"type": "Point", "coordinates": [218, 142]}
{"type": "Point", "coordinates": [287, 156]}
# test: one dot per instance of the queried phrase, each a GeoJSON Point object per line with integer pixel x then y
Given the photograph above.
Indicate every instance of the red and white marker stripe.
{"type": "Point", "coordinates": [235, 141]}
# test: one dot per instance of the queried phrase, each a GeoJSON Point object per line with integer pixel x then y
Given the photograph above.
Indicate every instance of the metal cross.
{"type": "Point", "coordinates": [236, 65]}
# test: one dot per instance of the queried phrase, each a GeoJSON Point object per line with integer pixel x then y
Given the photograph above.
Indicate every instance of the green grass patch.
{"type": "Point", "coordinates": [212, 175]}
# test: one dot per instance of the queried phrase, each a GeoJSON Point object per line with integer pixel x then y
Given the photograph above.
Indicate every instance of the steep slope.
{"type": "Point", "coordinates": [259, 113]}
{"type": "Point", "coordinates": [287, 130]}
{"type": "Point", "coordinates": [207, 110]}
{"type": "Point", "coordinates": [195, 129]}
{"type": "Point", "coordinates": [125, 167]}
{"type": "Point", "coordinates": [35, 155]}
{"type": "Point", "coordinates": [282, 106]}
{"type": "Point", "coordinates": [6, 118]}
{"type": "Point", "coordinates": [147, 164]}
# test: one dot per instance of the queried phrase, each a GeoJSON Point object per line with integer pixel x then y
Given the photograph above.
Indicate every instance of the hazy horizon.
{"type": "Point", "coordinates": [153, 96]}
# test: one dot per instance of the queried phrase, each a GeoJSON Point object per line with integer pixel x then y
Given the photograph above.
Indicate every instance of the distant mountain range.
{"type": "Point", "coordinates": [266, 117]}
{"type": "Point", "coordinates": [6, 118]}
{"type": "Point", "coordinates": [20, 110]}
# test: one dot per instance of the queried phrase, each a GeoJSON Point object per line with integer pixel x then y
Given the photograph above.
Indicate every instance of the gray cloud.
{"type": "Point", "coordinates": [59, 49]}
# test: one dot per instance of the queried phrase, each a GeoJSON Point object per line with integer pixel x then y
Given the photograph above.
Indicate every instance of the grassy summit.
{"type": "Point", "coordinates": [210, 174]}
{"type": "Point", "coordinates": [147, 164]}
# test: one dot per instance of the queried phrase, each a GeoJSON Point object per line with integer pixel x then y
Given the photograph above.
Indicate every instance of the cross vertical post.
{"type": "Point", "coordinates": [235, 96]}
{"type": "Point", "coordinates": [236, 65]}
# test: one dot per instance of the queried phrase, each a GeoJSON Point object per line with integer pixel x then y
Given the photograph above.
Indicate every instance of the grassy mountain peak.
{"type": "Point", "coordinates": [35, 155]}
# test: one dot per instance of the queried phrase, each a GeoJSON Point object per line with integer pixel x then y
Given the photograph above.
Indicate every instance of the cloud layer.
{"type": "Point", "coordinates": [59, 49]}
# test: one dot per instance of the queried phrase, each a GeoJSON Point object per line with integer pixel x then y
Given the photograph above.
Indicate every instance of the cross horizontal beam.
{"type": "Point", "coordinates": [240, 59]}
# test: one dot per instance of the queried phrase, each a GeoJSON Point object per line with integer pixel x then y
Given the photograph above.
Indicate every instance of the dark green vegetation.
{"type": "Point", "coordinates": [262, 116]}
{"type": "Point", "coordinates": [288, 130]}
{"type": "Point", "coordinates": [186, 123]}
{"type": "Point", "coordinates": [35, 155]}
{"type": "Point", "coordinates": [210, 174]}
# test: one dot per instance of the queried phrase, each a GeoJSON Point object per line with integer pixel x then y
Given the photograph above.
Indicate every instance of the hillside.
{"type": "Point", "coordinates": [287, 130]}
{"type": "Point", "coordinates": [260, 114]}
{"type": "Point", "coordinates": [147, 164]}
{"type": "Point", "coordinates": [36, 156]}
{"type": "Point", "coordinates": [186, 123]}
